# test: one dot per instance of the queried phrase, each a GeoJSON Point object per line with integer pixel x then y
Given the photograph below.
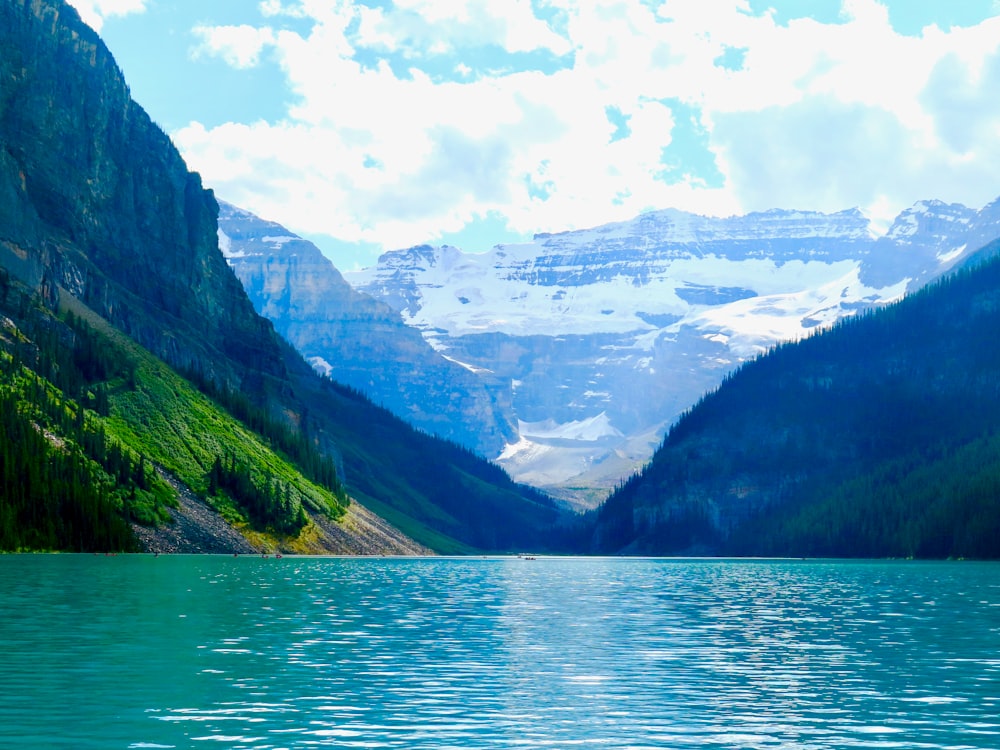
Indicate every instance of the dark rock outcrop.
{"type": "Point", "coordinates": [96, 194]}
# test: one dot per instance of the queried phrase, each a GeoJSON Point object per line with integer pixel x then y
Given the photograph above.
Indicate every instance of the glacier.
{"type": "Point", "coordinates": [606, 335]}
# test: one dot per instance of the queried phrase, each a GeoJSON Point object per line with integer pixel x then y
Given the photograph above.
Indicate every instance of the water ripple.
{"type": "Point", "coordinates": [500, 653]}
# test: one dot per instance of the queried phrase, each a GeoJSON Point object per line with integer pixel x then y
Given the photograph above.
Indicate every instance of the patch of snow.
{"type": "Point", "coordinates": [226, 246]}
{"type": "Point", "coordinates": [587, 430]}
{"type": "Point", "coordinates": [468, 298]}
{"type": "Point", "coordinates": [906, 225]}
{"type": "Point", "coordinates": [752, 326]}
{"type": "Point", "coordinates": [952, 255]}
{"type": "Point", "coordinates": [321, 366]}
{"type": "Point", "coordinates": [279, 242]}
{"type": "Point", "coordinates": [542, 465]}
{"type": "Point", "coordinates": [467, 366]}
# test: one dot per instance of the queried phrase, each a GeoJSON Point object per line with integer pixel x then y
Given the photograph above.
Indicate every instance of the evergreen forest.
{"type": "Point", "coordinates": [877, 438]}
{"type": "Point", "coordinates": [89, 420]}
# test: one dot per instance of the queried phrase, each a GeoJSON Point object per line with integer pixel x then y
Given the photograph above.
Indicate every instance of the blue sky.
{"type": "Point", "coordinates": [374, 125]}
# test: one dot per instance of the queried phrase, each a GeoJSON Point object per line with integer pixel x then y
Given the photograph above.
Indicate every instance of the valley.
{"type": "Point", "coordinates": [567, 359]}
{"type": "Point", "coordinates": [779, 381]}
{"type": "Point", "coordinates": [128, 342]}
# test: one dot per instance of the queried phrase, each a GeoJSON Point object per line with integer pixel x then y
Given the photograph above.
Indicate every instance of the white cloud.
{"type": "Point", "coordinates": [240, 46]}
{"type": "Point", "coordinates": [380, 146]}
{"type": "Point", "coordinates": [430, 25]}
{"type": "Point", "coordinates": [271, 8]}
{"type": "Point", "coordinates": [93, 12]}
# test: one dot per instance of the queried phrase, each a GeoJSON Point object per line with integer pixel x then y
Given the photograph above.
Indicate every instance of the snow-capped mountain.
{"type": "Point", "coordinates": [606, 335]}
{"type": "Point", "coordinates": [360, 341]}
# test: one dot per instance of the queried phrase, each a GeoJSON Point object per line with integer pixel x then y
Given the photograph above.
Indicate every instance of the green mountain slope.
{"type": "Point", "coordinates": [877, 438]}
{"type": "Point", "coordinates": [100, 216]}
{"type": "Point", "coordinates": [96, 419]}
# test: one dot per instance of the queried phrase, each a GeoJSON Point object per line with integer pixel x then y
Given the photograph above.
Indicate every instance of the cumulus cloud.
{"type": "Point", "coordinates": [962, 104]}
{"type": "Point", "coordinates": [93, 12]}
{"type": "Point", "coordinates": [240, 46]}
{"type": "Point", "coordinates": [407, 122]}
{"type": "Point", "coordinates": [815, 152]}
{"type": "Point", "coordinates": [418, 27]}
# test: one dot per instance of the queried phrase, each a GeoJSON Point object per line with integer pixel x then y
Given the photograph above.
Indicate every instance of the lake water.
{"type": "Point", "coordinates": [217, 652]}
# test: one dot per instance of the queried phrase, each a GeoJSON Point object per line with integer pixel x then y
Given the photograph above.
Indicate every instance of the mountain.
{"type": "Point", "coordinates": [876, 438]}
{"type": "Point", "coordinates": [132, 347]}
{"type": "Point", "coordinates": [605, 336]}
{"type": "Point", "coordinates": [359, 341]}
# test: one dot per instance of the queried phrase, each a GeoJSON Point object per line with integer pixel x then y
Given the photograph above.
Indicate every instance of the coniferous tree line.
{"type": "Point", "coordinates": [59, 376]}
{"type": "Point", "coordinates": [65, 484]}
{"type": "Point", "coordinates": [269, 502]}
{"type": "Point", "coordinates": [465, 477]}
{"type": "Point", "coordinates": [482, 505]}
{"type": "Point", "coordinates": [384, 422]}
{"type": "Point", "coordinates": [297, 446]}
{"type": "Point", "coordinates": [876, 438]}
{"type": "Point", "coordinates": [61, 381]}
{"type": "Point", "coordinates": [52, 493]}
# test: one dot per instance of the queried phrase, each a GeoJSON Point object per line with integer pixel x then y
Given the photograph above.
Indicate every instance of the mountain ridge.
{"type": "Point", "coordinates": [357, 340]}
{"type": "Point", "coordinates": [649, 312]}
{"type": "Point", "coordinates": [875, 438]}
{"type": "Point", "coordinates": [99, 210]}
{"type": "Point", "coordinates": [662, 306]}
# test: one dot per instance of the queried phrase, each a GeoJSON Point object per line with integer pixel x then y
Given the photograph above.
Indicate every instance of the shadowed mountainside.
{"type": "Point", "coordinates": [99, 214]}
{"type": "Point", "coordinates": [877, 438]}
{"type": "Point", "coordinates": [360, 341]}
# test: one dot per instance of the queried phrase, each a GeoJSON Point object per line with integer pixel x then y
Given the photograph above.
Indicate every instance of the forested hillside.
{"type": "Point", "coordinates": [99, 216]}
{"type": "Point", "coordinates": [876, 438]}
{"type": "Point", "coordinates": [90, 419]}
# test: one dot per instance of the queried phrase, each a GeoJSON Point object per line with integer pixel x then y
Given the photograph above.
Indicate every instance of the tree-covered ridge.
{"type": "Point", "coordinates": [436, 491]}
{"type": "Point", "coordinates": [52, 495]}
{"type": "Point", "coordinates": [186, 432]}
{"type": "Point", "coordinates": [66, 483]}
{"type": "Point", "coordinates": [88, 414]}
{"type": "Point", "coordinates": [875, 438]}
{"type": "Point", "coordinates": [918, 506]}
{"type": "Point", "coordinates": [294, 444]}
{"type": "Point", "coordinates": [98, 208]}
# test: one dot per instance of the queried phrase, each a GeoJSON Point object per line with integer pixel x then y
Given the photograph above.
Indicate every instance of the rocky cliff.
{"type": "Point", "coordinates": [359, 341]}
{"type": "Point", "coordinates": [97, 207]}
{"type": "Point", "coordinates": [76, 151]}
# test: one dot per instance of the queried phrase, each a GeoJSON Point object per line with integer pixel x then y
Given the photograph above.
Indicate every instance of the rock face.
{"type": "Point", "coordinates": [359, 341]}
{"type": "Point", "coordinates": [76, 151]}
{"type": "Point", "coordinates": [607, 335]}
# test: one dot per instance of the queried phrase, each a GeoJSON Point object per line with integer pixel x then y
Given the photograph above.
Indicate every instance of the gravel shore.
{"type": "Point", "coordinates": [197, 528]}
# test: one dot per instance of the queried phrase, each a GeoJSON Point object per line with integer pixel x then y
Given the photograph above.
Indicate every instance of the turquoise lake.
{"type": "Point", "coordinates": [220, 652]}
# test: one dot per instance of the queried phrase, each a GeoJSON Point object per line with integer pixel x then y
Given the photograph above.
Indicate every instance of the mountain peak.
{"type": "Point", "coordinates": [627, 324]}
{"type": "Point", "coordinates": [929, 217]}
